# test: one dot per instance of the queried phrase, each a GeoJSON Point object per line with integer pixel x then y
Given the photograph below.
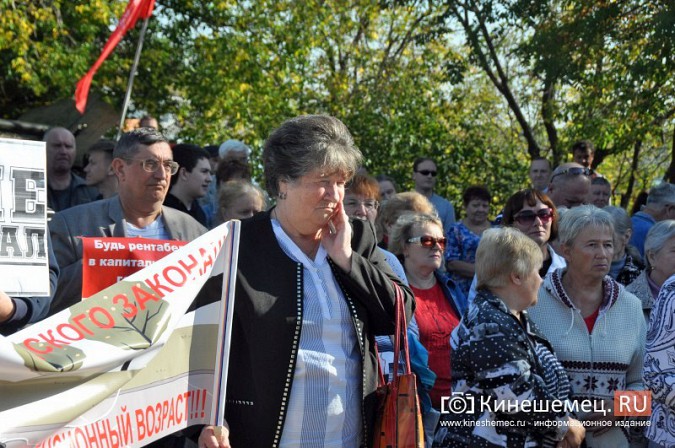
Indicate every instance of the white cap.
{"type": "Point", "coordinates": [233, 145]}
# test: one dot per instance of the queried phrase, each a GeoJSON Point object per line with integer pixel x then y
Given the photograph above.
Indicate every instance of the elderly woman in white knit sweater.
{"type": "Point", "coordinates": [595, 326]}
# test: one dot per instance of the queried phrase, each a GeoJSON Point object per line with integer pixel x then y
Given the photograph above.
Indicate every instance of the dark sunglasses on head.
{"type": "Point", "coordinates": [429, 241]}
{"type": "Point", "coordinates": [574, 171]}
{"type": "Point", "coordinates": [427, 173]}
{"type": "Point", "coordinates": [527, 217]}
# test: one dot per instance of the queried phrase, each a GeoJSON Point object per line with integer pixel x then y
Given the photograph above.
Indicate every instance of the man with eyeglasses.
{"type": "Point", "coordinates": [659, 207]}
{"type": "Point", "coordinates": [424, 176]}
{"type": "Point", "coordinates": [570, 185]}
{"type": "Point", "coordinates": [143, 163]}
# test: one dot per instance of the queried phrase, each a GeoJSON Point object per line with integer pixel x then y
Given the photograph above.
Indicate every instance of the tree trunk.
{"type": "Point", "coordinates": [670, 174]}
{"type": "Point", "coordinates": [631, 177]}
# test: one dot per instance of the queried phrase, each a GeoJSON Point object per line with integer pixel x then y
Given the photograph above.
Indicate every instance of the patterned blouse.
{"type": "Point", "coordinates": [462, 245]}
{"type": "Point", "coordinates": [496, 357]}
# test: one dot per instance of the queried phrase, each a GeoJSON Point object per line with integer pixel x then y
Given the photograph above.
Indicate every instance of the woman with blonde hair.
{"type": "Point", "coordinates": [499, 355]}
{"type": "Point", "coordinates": [397, 205]}
{"type": "Point", "coordinates": [239, 199]}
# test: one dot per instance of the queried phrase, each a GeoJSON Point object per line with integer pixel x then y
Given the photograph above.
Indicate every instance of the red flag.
{"type": "Point", "coordinates": [135, 9]}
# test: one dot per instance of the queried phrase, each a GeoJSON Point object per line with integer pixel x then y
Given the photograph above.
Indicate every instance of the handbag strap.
{"type": "Point", "coordinates": [401, 335]}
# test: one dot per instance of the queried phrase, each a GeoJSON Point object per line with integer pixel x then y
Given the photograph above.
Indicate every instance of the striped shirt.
{"type": "Point", "coordinates": [324, 408]}
{"type": "Point", "coordinates": [155, 230]}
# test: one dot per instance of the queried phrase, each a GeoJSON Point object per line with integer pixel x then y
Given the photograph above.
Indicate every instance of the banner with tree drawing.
{"type": "Point", "coordinates": [128, 365]}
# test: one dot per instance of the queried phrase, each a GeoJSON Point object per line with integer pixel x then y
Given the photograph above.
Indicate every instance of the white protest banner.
{"type": "Point", "coordinates": [24, 269]}
{"type": "Point", "coordinates": [126, 366]}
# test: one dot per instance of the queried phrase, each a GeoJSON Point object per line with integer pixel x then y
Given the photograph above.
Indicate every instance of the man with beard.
{"type": "Point", "coordinates": [65, 189]}
{"type": "Point", "coordinates": [143, 163]}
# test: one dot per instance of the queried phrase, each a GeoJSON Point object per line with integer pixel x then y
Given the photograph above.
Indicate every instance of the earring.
{"type": "Point", "coordinates": [282, 195]}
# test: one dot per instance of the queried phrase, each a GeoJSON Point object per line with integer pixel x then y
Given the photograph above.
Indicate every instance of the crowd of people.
{"type": "Point", "coordinates": [560, 297]}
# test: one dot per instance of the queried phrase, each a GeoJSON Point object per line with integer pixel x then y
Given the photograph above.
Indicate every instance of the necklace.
{"type": "Point", "coordinates": [421, 283]}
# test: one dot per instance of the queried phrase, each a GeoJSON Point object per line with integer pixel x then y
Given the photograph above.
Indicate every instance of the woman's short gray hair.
{"type": "Point", "coordinates": [657, 237]}
{"type": "Point", "coordinates": [306, 143]}
{"type": "Point", "coordinates": [503, 251]}
{"type": "Point", "coordinates": [402, 230]}
{"type": "Point", "coordinates": [576, 219]}
{"type": "Point", "coordinates": [620, 218]}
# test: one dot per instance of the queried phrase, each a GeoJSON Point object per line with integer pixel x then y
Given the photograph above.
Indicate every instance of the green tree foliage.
{"type": "Point", "coordinates": [593, 70]}
{"type": "Point", "coordinates": [46, 46]}
{"type": "Point", "coordinates": [479, 86]}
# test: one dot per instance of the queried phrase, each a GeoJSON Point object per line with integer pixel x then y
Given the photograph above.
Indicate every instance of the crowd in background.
{"type": "Point", "coordinates": [555, 294]}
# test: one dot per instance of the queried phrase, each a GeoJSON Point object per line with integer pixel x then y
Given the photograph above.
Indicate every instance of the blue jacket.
{"type": "Point", "coordinates": [642, 222]}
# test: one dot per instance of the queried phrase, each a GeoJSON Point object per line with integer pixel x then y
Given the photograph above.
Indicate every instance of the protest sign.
{"type": "Point", "coordinates": [24, 269]}
{"type": "Point", "coordinates": [126, 366]}
{"type": "Point", "coordinates": [105, 261]}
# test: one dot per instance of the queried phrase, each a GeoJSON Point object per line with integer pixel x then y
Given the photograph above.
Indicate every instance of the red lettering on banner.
{"type": "Point", "coordinates": [77, 321]}
{"type": "Point", "coordinates": [179, 416]}
{"type": "Point", "coordinates": [157, 287]}
{"type": "Point", "coordinates": [51, 339]}
{"type": "Point", "coordinates": [172, 413]}
{"type": "Point", "coordinates": [28, 343]}
{"type": "Point", "coordinates": [207, 263]}
{"type": "Point", "coordinates": [189, 267]}
{"type": "Point", "coordinates": [78, 334]}
{"type": "Point", "coordinates": [129, 308]}
{"type": "Point", "coordinates": [125, 428]}
{"type": "Point", "coordinates": [169, 269]}
{"type": "Point", "coordinates": [79, 434]}
{"type": "Point", "coordinates": [104, 312]}
{"type": "Point", "coordinates": [143, 296]}
{"type": "Point", "coordinates": [140, 424]}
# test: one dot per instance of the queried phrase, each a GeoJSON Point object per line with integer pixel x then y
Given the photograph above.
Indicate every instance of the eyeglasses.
{"type": "Point", "coordinates": [573, 171]}
{"type": "Point", "coordinates": [429, 241]}
{"type": "Point", "coordinates": [527, 217]}
{"type": "Point", "coordinates": [428, 173]}
{"type": "Point", "coordinates": [152, 165]}
{"type": "Point", "coordinates": [368, 204]}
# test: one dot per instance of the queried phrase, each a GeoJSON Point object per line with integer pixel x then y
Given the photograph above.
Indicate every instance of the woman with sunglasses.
{"type": "Point", "coordinates": [417, 239]}
{"type": "Point", "coordinates": [464, 236]}
{"type": "Point", "coordinates": [534, 214]}
{"type": "Point", "coordinates": [595, 325]}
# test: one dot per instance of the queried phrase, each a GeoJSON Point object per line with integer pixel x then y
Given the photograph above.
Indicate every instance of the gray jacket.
{"type": "Point", "coordinates": [103, 218]}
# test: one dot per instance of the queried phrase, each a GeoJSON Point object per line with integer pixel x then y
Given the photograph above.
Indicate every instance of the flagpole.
{"type": "Point", "coordinates": [130, 84]}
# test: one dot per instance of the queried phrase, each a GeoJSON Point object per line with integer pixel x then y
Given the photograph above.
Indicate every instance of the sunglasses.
{"type": "Point", "coordinates": [429, 241]}
{"type": "Point", "coordinates": [527, 217]}
{"type": "Point", "coordinates": [428, 173]}
{"type": "Point", "coordinates": [574, 171]}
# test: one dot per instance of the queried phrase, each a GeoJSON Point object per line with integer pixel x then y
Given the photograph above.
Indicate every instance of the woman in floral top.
{"type": "Point", "coordinates": [464, 236]}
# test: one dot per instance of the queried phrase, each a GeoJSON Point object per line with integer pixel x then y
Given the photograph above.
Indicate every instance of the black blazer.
{"type": "Point", "coordinates": [268, 318]}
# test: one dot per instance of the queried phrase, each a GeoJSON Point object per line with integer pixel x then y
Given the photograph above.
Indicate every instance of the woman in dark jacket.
{"type": "Point", "coordinates": [312, 292]}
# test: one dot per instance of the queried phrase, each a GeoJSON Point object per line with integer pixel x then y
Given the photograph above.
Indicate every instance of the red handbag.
{"type": "Point", "coordinates": [399, 418]}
